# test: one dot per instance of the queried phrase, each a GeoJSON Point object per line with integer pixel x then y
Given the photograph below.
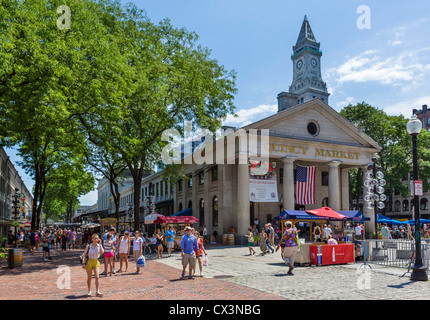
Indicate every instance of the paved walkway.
{"type": "Point", "coordinates": [231, 275]}
{"type": "Point", "coordinates": [38, 280]}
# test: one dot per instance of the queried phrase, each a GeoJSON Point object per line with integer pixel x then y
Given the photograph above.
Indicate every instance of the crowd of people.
{"type": "Point", "coordinates": [192, 252]}
{"type": "Point", "coordinates": [402, 232]}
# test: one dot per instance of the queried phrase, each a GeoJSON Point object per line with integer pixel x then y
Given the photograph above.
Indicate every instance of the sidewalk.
{"type": "Point", "coordinates": [37, 280]}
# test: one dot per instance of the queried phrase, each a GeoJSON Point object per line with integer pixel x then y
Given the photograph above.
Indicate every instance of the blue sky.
{"type": "Point", "coordinates": [387, 66]}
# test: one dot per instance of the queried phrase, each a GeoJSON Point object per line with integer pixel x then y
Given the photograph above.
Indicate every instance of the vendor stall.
{"type": "Point", "coordinates": [343, 234]}
{"type": "Point", "coordinates": [178, 222]}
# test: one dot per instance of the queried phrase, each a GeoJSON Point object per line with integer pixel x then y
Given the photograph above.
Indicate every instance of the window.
{"type": "Point", "coordinates": [324, 178]}
{"type": "Point", "coordinates": [313, 128]}
{"type": "Point", "coordinates": [190, 182]}
{"type": "Point", "coordinates": [180, 185]}
{"type": "Point", "coordinates": [281, 175]}
{"type": "Point", "coordinates": [201, 177]}
{"type": "Point", "coordinates": [180, 206]}
{"type": "Point", "coordinates": [190, 204]}
{"type": "Point", "coordinates": [215, 212]}
{"type": "Point", "coordinates": [161, 188]}
{"type": "Point", "coordinates": [324, 202]}
{"type": "Point", "coordinates": [397, 206]}
{"type": "Point", "coordinates": [423, 204]}
{"type": "Point", "coordinates": [215, 173]}
{"type": "Point", "coordinates": [202, 213]}
{"type": "Point", "coordinates": [405, 205]}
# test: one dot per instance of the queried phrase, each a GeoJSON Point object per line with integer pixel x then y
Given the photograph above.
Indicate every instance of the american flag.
{"type": "Point", "coordinates": [305, 185]}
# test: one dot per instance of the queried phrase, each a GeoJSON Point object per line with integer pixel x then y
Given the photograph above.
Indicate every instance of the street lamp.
{"type": "Point", "coordinates": [130, 214]}
{"type": "Point", "coordinates": [419, 272]}
{"type": "Point", "coordinates": [375, 196]}
{"type": "Point", "coordinates": [15, 208]}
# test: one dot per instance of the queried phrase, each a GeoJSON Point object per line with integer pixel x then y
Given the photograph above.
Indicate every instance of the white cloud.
{"type": "Point", "coordinates": [405, 107]}
{"type": "Point", "coordinates": [248, 116]}
{"type": "Point", "coordinates": [404, 70]}
{"type": "Point", "coordinates": [349, 100]}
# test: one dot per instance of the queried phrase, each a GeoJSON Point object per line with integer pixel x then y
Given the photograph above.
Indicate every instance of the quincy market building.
{"type": "Point", "coordinates": [306, 131]}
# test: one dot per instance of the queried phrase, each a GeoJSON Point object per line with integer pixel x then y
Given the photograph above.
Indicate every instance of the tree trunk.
{"type": "Point", "coordinates": [137, 183]}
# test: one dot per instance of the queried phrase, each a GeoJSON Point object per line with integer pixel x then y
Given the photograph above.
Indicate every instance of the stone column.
{"type": "Point", "coordinates": [345, 189]}
{"type": "Point", "coordinates": [243, 221]}
{"type": "Point", "coordinates": [334, 190]}
{"type": "Point", "coordinates": [288, 183]}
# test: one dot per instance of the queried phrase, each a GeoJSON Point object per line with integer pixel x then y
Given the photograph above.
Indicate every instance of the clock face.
{"type": "Point", "coordinates": [314, 62]}
{"type": "Point", "coordinates": [299, 64]}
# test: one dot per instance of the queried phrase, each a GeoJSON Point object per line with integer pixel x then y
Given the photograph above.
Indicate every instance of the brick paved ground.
{"type": "Point", "coordinates": [231, 275]}
{"type": "Point", "coordinates": [38, 280]}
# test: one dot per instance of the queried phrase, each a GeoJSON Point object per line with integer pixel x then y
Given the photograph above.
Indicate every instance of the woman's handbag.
{"type": "Point", "coordinates": [84, 257]}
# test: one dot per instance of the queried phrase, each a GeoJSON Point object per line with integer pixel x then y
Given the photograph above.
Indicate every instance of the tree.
{"type": "Point", "coordinates": [49, 76]}
{"type": "Point", "coordinates": [169, 79]}
{"type": "Point", "coordinates": [395, 158]}
{"type": "Point", "coordinates": [67, 182]}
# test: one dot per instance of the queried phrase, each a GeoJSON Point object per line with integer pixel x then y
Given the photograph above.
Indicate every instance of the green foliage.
{"type": "Point", "coordinates": [395, 157]}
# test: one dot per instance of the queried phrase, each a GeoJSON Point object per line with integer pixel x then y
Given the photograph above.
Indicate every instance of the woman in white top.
{"type": "Point", "coordinates": [93, 250]}
{"type": "Point", "coordinates": [137, 248]}
{"type": "Point", "coordinates": [124, 249]}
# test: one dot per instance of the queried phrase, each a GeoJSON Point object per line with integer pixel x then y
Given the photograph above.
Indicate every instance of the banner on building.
{"type": "Point", "coordinates": [262, 182]}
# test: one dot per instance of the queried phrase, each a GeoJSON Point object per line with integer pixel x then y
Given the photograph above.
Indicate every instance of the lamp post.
{"type": "Point", "coordinates": [15, 208]}
{"type": "Point", "coordinates": [130, 214]}
{"type": "Point", "coordinates": [375, 196]}
{"type": "Point", "coordinates": [419, 271]}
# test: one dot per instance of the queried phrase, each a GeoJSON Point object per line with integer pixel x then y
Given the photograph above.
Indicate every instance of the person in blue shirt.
{"type": "Point", "coordinates": [170, 237]}
{"type": "Point", "coordinates": [189, 247]}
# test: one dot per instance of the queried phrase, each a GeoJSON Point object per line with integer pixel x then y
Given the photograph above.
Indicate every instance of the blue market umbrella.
{"type": "Point", "coordinates": [412, 222]}
{"type": "Point", "coordinates": [390, 221]}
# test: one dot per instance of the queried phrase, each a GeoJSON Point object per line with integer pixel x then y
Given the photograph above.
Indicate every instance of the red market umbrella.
{"type": "Point", "coordinates": [327, 212]}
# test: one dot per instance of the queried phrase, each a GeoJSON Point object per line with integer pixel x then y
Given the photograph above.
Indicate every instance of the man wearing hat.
{"type": "Point", "coordinates": [188, 251]}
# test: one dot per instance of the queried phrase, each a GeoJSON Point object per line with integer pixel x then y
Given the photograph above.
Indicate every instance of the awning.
{"type": "Point", "coordinates": [380, 216]}
{"type": "Point", "coordinates": [90, 225]}
{"type": "Point", "coordinates": [298, 215]}
{"type": "Point", "coordinates": [391, 221]}
{"type": "Point", "coordinates": [354, 215]}
{"type": "Point", "coordinates": [186, 212]}
{"type": "Point", "coordinates": [159, 218]}
{"type": "Point", "coordinates": [412, 222]}
{"type": "Point", "coordinates": [154, 218]}
{"type": "Point", "coordinates": [327, 212]}
{"type": "Point", "coordinates": [180, 219]}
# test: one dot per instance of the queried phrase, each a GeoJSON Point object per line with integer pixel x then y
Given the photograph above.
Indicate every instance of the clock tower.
{"type": "Point", "coordinates": [307, 81]}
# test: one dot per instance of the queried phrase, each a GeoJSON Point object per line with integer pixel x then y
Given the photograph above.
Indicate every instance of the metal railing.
{"type": "Point", "coordinates": [397, 253]}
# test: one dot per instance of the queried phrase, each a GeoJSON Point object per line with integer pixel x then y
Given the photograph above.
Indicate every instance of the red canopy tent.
{"type": "Point", "coordinates": [178, 219]}
{"type": "Point", "coordinates": [327, 212]}
{"type": "Point", "coordinates": [159, 218]}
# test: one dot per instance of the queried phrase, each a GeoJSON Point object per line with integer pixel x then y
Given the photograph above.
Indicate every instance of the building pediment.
{"type": "Point", "coordinates": [315, 123]}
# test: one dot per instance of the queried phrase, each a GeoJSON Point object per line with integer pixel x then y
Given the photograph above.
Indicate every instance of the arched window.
{"type": "Point", "coordinates": [423, 204]}
{"type": "Point", "coordinates": [405, 205]}
{"type": "Point", "coordinates": [215, 212]}
{"type": "Point", "coordinates": [202, 213]}
{"type": "Point", "coordinates": [397, 206]}
{"type": "Point", "coordinates": [190, 204]}
{"type": "Point", "coordinates": [324, 202]}
{"type": "Point", "coordinates": [180, 206]}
